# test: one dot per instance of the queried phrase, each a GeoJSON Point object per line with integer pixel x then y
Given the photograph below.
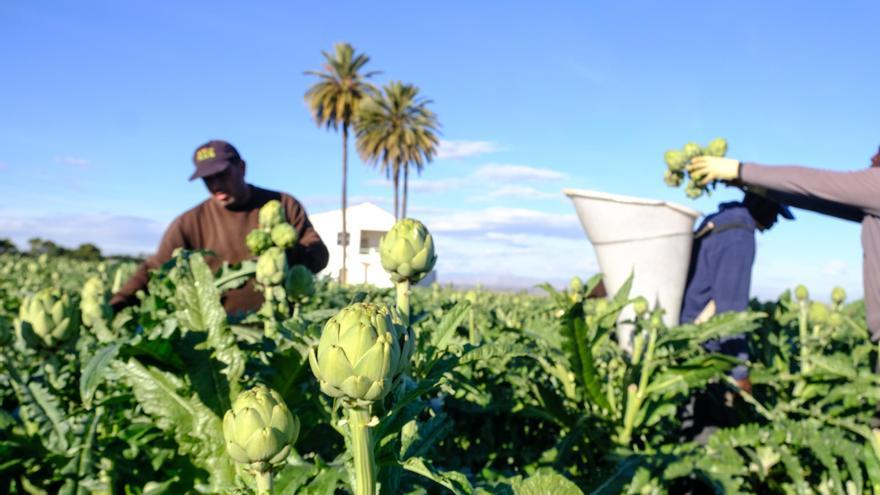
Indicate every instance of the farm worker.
{"type": "Point", "coordinates": [721, 268]}
{"type": "Point", "coordinates": [850, 195]}
{"type": "Point", "coordinates": [221, 223]}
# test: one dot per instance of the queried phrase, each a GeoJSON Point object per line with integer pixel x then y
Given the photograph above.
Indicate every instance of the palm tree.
{"type": "Point", "coordinates": [396, 129]}
{"type": "Point", "coordinates": [334, 100]}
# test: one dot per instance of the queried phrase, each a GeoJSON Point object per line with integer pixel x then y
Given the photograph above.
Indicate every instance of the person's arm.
{"type": "Point", "coordinates": [859, 189]}
{"type": "Point", "coordinates": [171, 240]}
{"type": "Point", "coordinates": [830, 208]}
{"type": "Point", "coordinates": [730, 291]}
{"type": "Point", "coordinates": [310, 249]}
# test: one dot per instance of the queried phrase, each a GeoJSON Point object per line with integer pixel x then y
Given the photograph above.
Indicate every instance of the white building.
{"type": "Point", "coordinates": [366, 223]}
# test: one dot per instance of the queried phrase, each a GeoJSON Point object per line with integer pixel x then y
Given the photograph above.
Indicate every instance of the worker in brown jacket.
{"type": "Point", "coordinates": [849, 195]}
{"type": "Point", "coordinates": [221, 223]}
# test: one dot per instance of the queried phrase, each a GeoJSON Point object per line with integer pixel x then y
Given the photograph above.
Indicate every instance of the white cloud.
{"type": "Point", "coordinates": [462, 149]}
{"type": "Point", "coordinates": [835, 268]}
{"type": "Point", "coordinates": [78, 163]}
{"type": "Point", "coordinates": [515, 192]}
{"type": "Point", "coordinates": [516, 173]}
{"type": "Point", "coordinates": [506, 221]}
{"type": "Point", "coordinates": [114, 234]}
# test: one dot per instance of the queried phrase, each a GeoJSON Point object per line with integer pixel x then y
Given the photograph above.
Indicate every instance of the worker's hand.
{"type": "Point", "coordinates": [708, 168]}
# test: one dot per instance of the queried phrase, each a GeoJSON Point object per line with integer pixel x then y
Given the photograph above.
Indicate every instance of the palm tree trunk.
{"type": "Point", "coordinates": [396, 187]}
{"type": "Point", "coordinates": [405, 189]}
{"type": "Point", "coordinates": [343, 274]}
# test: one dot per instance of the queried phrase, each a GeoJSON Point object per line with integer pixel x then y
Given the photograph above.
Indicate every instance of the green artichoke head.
{"type": "Point", "coordinates": [361, 351]}
{"type": "Point", "coordinates": [299, 282]}
{"type": "Point", "coordinates": [258, 241]}
{"type": "Point", "coordinates": [284, 235]}
{"type": "Point", "coordinates": [407, 251]}
{"type": "Point", "coordinates": [675, 160]}
{"type": "Point", "coordinates": [691, 150]}
{"type": "Point", "coordinates": [272, 214]}
{"type": "Point", "coordinates": [838, 295]}
{"type": "Point", "coordinates": [716, 147]}
{"type": "Point", "coordinates": [693, 189]}
{"type": "Point", "coordinates": [640, 305]}
{"type": "Point", "coordinates": [673, 179]}
{"type": "Point", "coordinates": [93, 303]}
{"type": "Point", "coordinates": [47, 318]}
{"type": "Point", "coordinates": [259, 428]}
{"type": "Point", "coordinates": [271, 266]}
{"type": "Point", "coordinates": [801, 293]}
{"type": "Point", "coordinates": [818, 313]}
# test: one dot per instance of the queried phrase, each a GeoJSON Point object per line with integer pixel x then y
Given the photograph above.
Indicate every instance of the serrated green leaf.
{"type": "Point", "coordinates": [94, 371]}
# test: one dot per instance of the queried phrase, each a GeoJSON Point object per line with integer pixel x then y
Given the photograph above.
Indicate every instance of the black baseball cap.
{"type": "Point", "coordinates": [213, 157]}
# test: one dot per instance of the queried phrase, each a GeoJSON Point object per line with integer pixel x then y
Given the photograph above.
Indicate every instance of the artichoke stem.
{"type": "Point", "coordinates": [473, 337]}
{"type": "Point", "coordinates": [403, 301]}
{"type": "Point", "coordinates": [296, 306]}
{"type": "Point", "coordinates": [264, 482]}
{"type": "Point", "coordinates": [362, 443]}
{"type": "Point", "coordinates": [802, 341]}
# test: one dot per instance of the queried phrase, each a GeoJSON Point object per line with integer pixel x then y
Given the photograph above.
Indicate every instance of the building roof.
{"type": "Point", "coordinates": [364, 215]}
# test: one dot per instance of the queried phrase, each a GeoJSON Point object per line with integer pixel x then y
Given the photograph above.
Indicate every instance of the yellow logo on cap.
{"type": "Point", "coordinates": [205, 153]}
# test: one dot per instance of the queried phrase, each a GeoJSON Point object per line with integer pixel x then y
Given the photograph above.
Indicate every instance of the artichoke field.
{"type": "Point", "coordinates": [331, 389]}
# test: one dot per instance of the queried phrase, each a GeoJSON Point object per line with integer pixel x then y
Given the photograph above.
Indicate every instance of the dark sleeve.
{"type": "Point", "coordinates": [310, 249]}
{"type": "Point", "coordinates": [858, 189]}
{"type": "Point", "coordinates": [830, 208]}
{"type": "Point", "coordinates": [172, 239]}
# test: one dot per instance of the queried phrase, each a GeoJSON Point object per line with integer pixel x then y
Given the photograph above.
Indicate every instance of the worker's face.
{"type": "Point", "coordinates": [228, 188]}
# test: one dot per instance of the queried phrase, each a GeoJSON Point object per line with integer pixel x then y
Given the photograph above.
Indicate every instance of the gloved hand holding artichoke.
{"type": "Point", "coordinates": [677, 161]}
{"type": "Point", "coordinates": [259, 431]}
{"type": "Point", "coordinates": [47, 318]}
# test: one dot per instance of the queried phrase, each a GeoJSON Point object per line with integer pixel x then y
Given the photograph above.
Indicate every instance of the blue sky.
{"type": "Point", "coordinates": [103, 102]}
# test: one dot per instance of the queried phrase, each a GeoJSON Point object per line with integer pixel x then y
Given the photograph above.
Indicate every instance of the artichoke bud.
{"type": "Point", "coordinates": [716, 147]}
{"type": "Point", "coordinates": [801, 293]}
{"type": "Point", "coordinates": [818, 313]}
{"type": "Point", "coordinates": [93, 305]}
{"type": "Point", "coordinates": [691, 151]}
{"type": "Point", "coordinates": [271, 266]}
{"type": "Point", "coordinates": [835, 319]}
{"type": "Point", "coordinates": [48, 318]}
{"type": "Point", "coordinates": [576, 285]}
{"type": "Point", "coordinates": [299, 282]}
{"type": "Point", "coordinates": [838, 295]}
{"type": "Point", "coordinates": [284, 235]}
{"type": "Point", "coordinates": [693, 189]}
{"type": "Point", "coordinates": [361, 351]}
{"type": "Point", "coordinates": [640, 305]}
{"type": "Point", "coordinates": [471, 297]}
{"type": "Point", "coordinates": [259, 428]}
{"type": "Point", "coordinates": [272, 214]}
{"type": "Point", "coordinates": [675, 160]}
{"type": "Point", "coordinates": [673, 179]}
{"type": "Point", "coordinates": [407, 251]}
{"type": "Point", "coordinates": [258, 241]}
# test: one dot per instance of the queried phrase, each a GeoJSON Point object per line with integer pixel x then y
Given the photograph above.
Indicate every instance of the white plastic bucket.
{"type": "Point", "coordinates": [650, 239]}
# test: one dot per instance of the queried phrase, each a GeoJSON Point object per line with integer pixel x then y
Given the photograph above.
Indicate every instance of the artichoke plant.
{"type": "Point", "coordinates": [93, 305]}
{"type": "Point", "coordinates": [271, 266]}
{"type": "Point", "coordinates": [407, 251]}
{"type": "Point", "coordinates": [259, 431]}
{"type": "Point", "coordinates": [284, 235]}
{"type": "Point", "coordinates": [361, 350]}
{"type": "Point", "coordinates": [299, 282]}
{"type": "Point", "coordinates": [801, 293]}
{"type": "Point", "coordinates": [258, 241]}
{"type": "Point", "coordinates": [47, 318]}
{"type": "Point", "coordinates": [272, 214]}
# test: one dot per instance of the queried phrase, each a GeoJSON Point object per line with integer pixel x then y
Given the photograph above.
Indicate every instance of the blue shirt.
{"type": "Point", "coordinates": [721, 270]}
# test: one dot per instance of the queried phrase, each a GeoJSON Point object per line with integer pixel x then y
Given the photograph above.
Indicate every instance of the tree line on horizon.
{"type": "Point", "coordinates": [38, 246]}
